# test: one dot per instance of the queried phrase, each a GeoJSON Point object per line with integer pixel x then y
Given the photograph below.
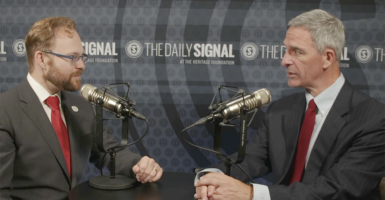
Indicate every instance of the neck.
{"type": "Point", "coordinates": [330, 76]}
{"type": "Point", "coordinates": [39, 77]}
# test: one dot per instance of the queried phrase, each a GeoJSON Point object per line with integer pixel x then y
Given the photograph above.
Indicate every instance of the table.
{"type": "Point", "coordinates": [171, 186]}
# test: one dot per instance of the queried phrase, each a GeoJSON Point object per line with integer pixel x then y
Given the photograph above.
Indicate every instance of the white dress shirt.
{"type": "Point", "coordinates": [324, 102]}
{"type": "Point", "coordinates": [43, 94]}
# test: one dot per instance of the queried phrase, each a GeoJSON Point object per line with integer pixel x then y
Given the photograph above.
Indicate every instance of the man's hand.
{"type": "Point", "coordinates": [220, 186]}
{"type": "Point", "coordinates": [147, 170]}
{"type": "Point", "coordinates": [204, 192]}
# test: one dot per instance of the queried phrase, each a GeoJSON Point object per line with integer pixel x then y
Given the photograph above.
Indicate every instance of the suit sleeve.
{"type": "Point", "coordinates": [124, 160]}
{"type": "Point", "coordinates": [256, 162]}
{"type": "Point", "coordinates": [7, 156]}
{"type": "Point", "coordinates": [353, 174]}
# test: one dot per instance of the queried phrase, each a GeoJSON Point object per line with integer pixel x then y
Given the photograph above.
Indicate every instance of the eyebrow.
{"type": "Point", "coordinates": [76, 53]}
{"type": "Point", "coordinates": [294, 48]}
{"type": "Point", "coordinates": [290, 46]}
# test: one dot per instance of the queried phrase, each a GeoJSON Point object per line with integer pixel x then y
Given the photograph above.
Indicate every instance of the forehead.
{"type": "Point", "coordinates": [298, 37]}
{"type": "Point", "coordinates": [66, 41]}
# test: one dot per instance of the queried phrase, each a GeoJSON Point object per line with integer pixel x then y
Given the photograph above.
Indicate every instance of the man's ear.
{"type": "Point", "coordinates": [40, 60]}
{"type": "Point", "coordinates": [329, 57]}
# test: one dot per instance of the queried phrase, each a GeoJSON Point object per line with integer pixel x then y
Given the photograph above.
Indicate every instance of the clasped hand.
{"type": "Point", "coordinates": [218, 186]}
{"type": "Point", "coordinates": [147, 170]}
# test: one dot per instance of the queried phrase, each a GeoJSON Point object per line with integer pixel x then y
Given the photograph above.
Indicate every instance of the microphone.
{"type": "Point", "coordinates": [232, 109]}
{"type": "Point", "coordinates": [110, 102]}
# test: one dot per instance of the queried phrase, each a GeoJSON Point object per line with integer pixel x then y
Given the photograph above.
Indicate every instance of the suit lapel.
{"type": "Point", "coordinates": [328, 134]}
{"type": "Point", "coordinates": [72, 114]}
{"type": "Point", "coordinates": [36, 113]}
{"type": "Point", "coordinates": [292, 124]}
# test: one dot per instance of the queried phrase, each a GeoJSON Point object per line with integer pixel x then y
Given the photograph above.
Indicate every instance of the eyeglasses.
{"type": "Point", "coordinates": [74, 59]}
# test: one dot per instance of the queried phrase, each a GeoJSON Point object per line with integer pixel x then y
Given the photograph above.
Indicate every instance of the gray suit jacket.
{"type": "Point", "coordinates": [347, 160]}
{"type": "Point", "coordinates": [32, 164]}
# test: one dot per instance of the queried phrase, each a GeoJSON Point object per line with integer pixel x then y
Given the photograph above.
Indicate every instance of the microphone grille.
{"type": "Point", "coordinates": [263, 95]}
{"type": "Point", "coordinates": [86, 91]}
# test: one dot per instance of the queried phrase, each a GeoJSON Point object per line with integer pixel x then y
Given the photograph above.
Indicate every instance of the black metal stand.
{"type": "Point", "coordinates": [241, 144]}
{"type": "Point", "coordinates": [107, 183]}
{"type": "Point", "coordinates": [112, 182]}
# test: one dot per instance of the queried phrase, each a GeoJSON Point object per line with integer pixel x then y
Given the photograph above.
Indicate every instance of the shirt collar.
{"type": "Point", "coordinates": [40, 91]}
{"type": "Point", "coordinates": [326, 98]}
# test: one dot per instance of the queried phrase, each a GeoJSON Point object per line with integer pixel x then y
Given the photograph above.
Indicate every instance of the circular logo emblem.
{"type": "Point", "coordinates": [18, 48]}
{"type": "Point", "coordinates": [249, 51]}
{"type": "Point", "coordinates": [134, 49]}
{"type": "Point", "coordinates": [364, 54]}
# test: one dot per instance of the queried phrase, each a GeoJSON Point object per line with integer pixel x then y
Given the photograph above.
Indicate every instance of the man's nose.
{"type": "Point", "coordinates": [286, 60]}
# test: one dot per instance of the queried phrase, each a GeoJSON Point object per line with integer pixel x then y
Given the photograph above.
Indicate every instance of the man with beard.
{"type": "Point", "coordinates": [47, 133]}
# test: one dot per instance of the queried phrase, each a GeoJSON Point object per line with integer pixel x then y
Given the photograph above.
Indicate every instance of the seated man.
{"type": "Point", "coordinates": [338, 151]}
{"type": "Point", "coordinates": [46, 133]}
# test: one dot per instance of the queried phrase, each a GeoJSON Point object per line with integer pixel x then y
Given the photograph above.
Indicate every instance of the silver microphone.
{"type": "Point", "coordinates": [232, 109]}
{"type": "Point", "coordinates": [110, 102]}
{"type": "Point", "coordinates": [252, 101]}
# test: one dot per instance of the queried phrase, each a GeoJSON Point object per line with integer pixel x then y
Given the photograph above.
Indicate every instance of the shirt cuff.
{"type": "Point", "coordinates": [261, 192]}
{"type": "Point", "coordinates": [205, 171]}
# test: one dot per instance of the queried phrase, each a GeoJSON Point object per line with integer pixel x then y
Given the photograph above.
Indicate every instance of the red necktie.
{"type": "Point", "coordinates": [303, 142]}
{"type": "Point", "coordinates": [60, 129]}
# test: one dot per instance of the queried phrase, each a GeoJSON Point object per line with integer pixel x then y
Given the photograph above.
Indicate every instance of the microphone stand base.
{"type": "Point", "coordinates": [118, 183]}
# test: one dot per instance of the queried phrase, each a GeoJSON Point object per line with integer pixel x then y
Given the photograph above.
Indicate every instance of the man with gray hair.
{"type": "Point", "coordinates": [325, 143]}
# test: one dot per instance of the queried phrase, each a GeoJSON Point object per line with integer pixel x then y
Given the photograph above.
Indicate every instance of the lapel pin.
{"type": "Point", "coordinates": [75, 109]}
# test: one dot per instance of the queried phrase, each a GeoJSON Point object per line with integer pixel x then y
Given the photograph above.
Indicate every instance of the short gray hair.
{"type": "Point", "coordinates": [326, 30]}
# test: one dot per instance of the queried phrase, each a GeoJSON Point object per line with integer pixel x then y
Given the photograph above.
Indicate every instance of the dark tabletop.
{"type": "Point", "coordinates": [172, 186]}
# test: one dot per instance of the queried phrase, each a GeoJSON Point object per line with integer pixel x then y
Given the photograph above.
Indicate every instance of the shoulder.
{"type": "Point", "coordinates": [364, 103]}
{"type": "Point", "coordinates": [359, 99]}
{"type": "Point", "coordinates": [9, 97]}
{"type": "Point", "coordinates": [357, 107]}
{"type": "Point", "coordinates": [287, 102]}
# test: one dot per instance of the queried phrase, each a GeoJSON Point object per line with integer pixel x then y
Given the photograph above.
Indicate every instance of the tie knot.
{"type": "Point", "coordinates": [52, 102]}
{"type": "Point", "coordinates": [312, 105]}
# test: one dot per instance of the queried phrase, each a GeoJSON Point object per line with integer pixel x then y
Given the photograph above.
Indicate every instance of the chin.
{"type": "Point", "coordinates": [76, 87]}
{"type": "Point", "coordinates": [73, 86]}
{"type": "Point", "coordinates": [293, 84]}
{"type": "Point", "coordinates": [76, 84]}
